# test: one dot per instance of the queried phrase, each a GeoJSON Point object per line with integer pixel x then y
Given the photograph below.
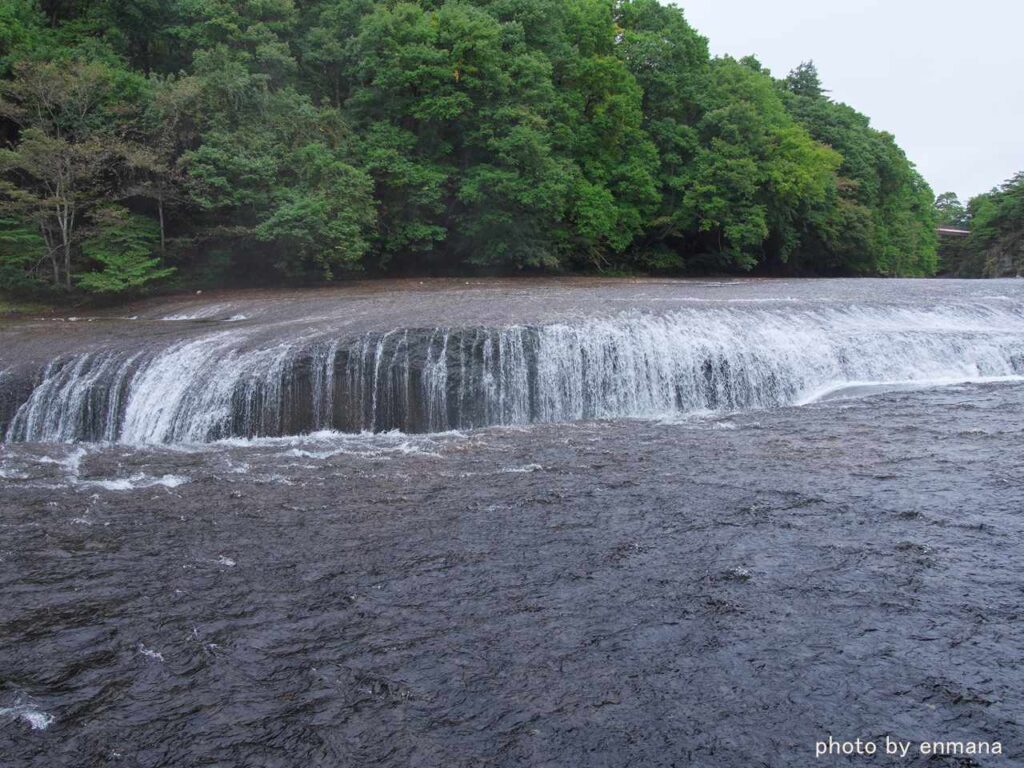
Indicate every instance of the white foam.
{"type": "Point", "coordinates": [304, 454]}
{"type": "Point", "coordinates": [149, 653]}
{"type": "Point", "coordinates": [851, 389]}
{"type": "Point", "coordinates": [367, 438]}
{"type": "Point", "coordinates": [36, 718]}
{"type": "Point", "coordinates": [137, 481]}
{"type": "Point", "coordinates": [71, 463]}
{"type": "Point", "coordinates": [202, 313]}
{"type": "Point", "coordinates": [524, 469]}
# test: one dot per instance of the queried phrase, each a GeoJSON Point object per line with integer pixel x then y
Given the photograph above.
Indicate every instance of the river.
{"type": "Point", "coordinates": [514, 523]}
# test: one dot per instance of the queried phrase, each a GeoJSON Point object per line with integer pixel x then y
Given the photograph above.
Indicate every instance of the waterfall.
{"type": "Point", "coordinates": [229, 383]}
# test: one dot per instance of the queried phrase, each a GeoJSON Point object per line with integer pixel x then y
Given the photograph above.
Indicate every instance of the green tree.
{"type": "Point", "coordinates": [880, 218]}
{"type": "Point", "coordinates": [22, 256]}
{"type": "Point", "coordinates": [757, 174]}
{"type": "Point", "coordinates": [454, 117]}
{"type": "Point", "coordinates": [74, 151]}
{"type": "Point", "coordinates": [322, 222]}
{"type": "Point", "coordinates": [997, 228]}
{"type": "Point", "coordinates": [615, 189]}
{"type": "Point", "coordinates": [21, 30]}
{"type": "Point", "coordinates": [670, 63]}
{"type": "Point", "coordinates": [951, 212]}
{"type": "Point", "coordinates": [326, 48]}
{"type": "Point", "coordinates": [122, 245]}
{"type": "Point", "coordinates": [805, 81]}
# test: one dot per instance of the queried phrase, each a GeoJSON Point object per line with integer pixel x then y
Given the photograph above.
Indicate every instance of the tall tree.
{"type": "Point", "coordinates": [951, 212]}
{"type": "Point", "coordinates": [74, 152]}
{"type": "Point", "coordinates": [805, 81]}
{"type": "Point", "coordinates": [670, 63]}
{"type": "Point", "coordinates": [756, 173]}
{"type": "Point", "coordinates": [879, 218]}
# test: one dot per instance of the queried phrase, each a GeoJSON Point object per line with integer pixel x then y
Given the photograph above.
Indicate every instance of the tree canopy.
{"type": "Point", "coordinates": [208, 141]}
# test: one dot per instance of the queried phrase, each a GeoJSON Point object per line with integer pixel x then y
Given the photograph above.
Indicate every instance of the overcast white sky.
{"type": "Point", "coordinates": [947, 78]}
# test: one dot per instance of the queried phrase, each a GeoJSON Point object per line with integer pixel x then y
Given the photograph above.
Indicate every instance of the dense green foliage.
{"type": "Point", "coordinates": [995, 246]}
{"type": "Point", "coordinates": [269, 139]}
{"type": "Point", "coordinates": [879, 216]}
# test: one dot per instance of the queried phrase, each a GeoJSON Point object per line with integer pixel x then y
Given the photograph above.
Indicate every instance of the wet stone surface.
{"type": "Point", "coordinates": [714, 592]}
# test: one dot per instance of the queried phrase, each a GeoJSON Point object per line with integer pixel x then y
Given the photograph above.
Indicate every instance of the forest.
{"type": "Point", "coordinates": [995, 220]}
{"type": "Point", "coordinates": [193, 143]}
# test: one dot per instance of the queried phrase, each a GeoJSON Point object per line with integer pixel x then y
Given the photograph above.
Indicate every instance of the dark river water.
{"type": "Point", "coordinates": [611, 571]}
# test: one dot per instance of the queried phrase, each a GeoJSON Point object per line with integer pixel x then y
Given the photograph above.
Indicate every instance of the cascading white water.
{"type": "Point", "coordinates": [324, 356]}
{"type": "Point", "coordinates": [631, 365]}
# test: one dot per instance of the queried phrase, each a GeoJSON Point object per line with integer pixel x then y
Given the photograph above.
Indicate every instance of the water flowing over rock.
{"type": "Point", "coordinates": [230, 383]}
